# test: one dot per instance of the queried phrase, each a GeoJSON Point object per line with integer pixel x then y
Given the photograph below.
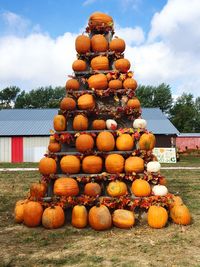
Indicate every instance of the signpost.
{"type": "Point", "coordinates": [165, 154]}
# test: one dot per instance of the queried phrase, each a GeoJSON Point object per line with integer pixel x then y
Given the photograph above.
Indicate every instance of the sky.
{"type": "Point", "coordinates": [162, 40]}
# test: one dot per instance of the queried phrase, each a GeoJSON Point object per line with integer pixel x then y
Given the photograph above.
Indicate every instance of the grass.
{"type": "Point", "coordinates": [140, 246]}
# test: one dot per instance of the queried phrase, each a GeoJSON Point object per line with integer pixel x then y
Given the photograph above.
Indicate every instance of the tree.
{"type": "Point", "coordinates": [8, 96]}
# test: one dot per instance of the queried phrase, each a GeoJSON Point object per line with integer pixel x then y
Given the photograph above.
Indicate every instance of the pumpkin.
{"type": "Point", "coordinates": [82, 44]}
{"type": "Point", "coordinates": [79, 65]}
{"type": "Point", "coordinates": [79, 216]}
{"type": "Point", "coordinates": [100, 63]}
{"type": "Point", "coordinates": [47, 166]}
{"type": "Point", "coordinates": [53, 217]}
{"type": "Point", "coordinates": [180, 214]}
{"type": "Point", "coordinates": [124, 219]}
{"type": "Point", "coordinates": [92, 164]}
{"type": "Point", "coordinates": [134, 164]}
{"type": "Point", "coordinates": [116, 189]}
{"type": "Point", "coordinates": [19, 210]}
{"type": "Point", "coordinates": [65, 187]}
{"type": "Point", "coordinates": [80, 123]}
{"type": "Point", "coordinates": [114, 163]}
{"type": "Point", "coordinates": [38, 190]}
{"type": "Point", "coordinates": [59, 123]}
{"type": "Point", "coordinates": [162, 181]}
{"type": "Point", "coordinates": [153, 166]}
{"type": "Point", "coordinates": [92, 189]}
{"type": "Point", "coordinates": [98, 81]}
{"type": "Point", "coordinates": [141, 188]}
{"type": "Point", "coordinates": [122, 64]}
{"type": "Point", "coordinates": [86, 101]}
{"type": "Point", "coordinates": [134, 103]}
{"type": "Point", "coordinates": [115, 84]}
{"type": "Point", "coordinates": [117, 45]}
{"type": "Point", "coordinates": [124, 142]}
{"type": "Point", "coordinates": [147, 141]}
{"type": "Point", "coordinates": [139, 123]}
{"type": "Point", "coordinates": [67, 103]}
{"type": "Point", "coordinates": [99, 43]}
{"type": "Point", "coordinates": [157, 217]}
{"type": "Point", "coordinates": [54, 146]}
{"type": "Point", "coordinates": [32, 214]}
{"type": "Point", "coordinates": [72, 84]}
{"type": "Point", "coordinates": [98, 19]}
{"type": "Point", "coordinates": [130, 83]}
{"type": "Point", "coordinates": [176, 200]}
{"type": "Point", "coordinates": [70, 164]}
{"type": "Point", "coordinates": [98, 125]}
{"type": "Point", "coordinates": [105, 141]}
{"type": "Point", "coordinates": [84, 142]}
{"type": "Point", "coordinates": [159, 190]}
{"type": "Point", "coordinates": [111, 124]}
{"type": "Point", "coordinates": [100, 218]}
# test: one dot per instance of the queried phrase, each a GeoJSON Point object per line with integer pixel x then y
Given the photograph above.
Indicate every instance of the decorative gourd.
{"type": "Point", "coordinates": [180, 214]}
{"type": "Point", "coordinates": [82, 44]}
{"type": "Point", "coordinates": [159, 190]}
{"type": "Point", "coordinates": [79, 65]}
{"type": "Point", "coordinates": [59, 123]}
{"type": "Point", "coordinates": [53, 217]}
{"type": "Point", "coordinates": [114, 163]}
{"type": "Point", "coordinates": [98, 125]}
{"type": "Point", "coordinates": [65, 187]}
{"type": "Point", "coordinates": [111, 124]}
{"type": "Point", "coordinates": [54, 146]}
{"type": "Point", "coordinates": [116, 189]}
{"type": "Point", "coordinates": [134, 103]}
{"type": "Point", "coordinates": [99, 43]}
{"type": "Point", "coordinates": [72, 84]}
{"type": "Point", "coordinates": [157, 217]}
{"type": "Point", "coordinates": [139, 123]}
{"type": "Point", "coordinates": [134, 164]}
{"type": "Point", "coordinates": [70, 164]}
{"type": "Point", "coordinates": [67, 103]}
{"type": "Point", "coordinates": [100, 218]}
{"type": "Point", "coordinates": [115, 84]}
{"type": "Point", "coordinates": [130, 83]}
{"type": "Point", "coordinates": [92, 164]}
{"type": "Point", "coordinates": [38, 190]}
{"type": "Point", "coordinates": [80, 123]}
{"type": "Point", "coordinates": [32, 214]}
{"type": "Point", "coordinates": [84, 142]}
{"type": "Point", "coordinates": [86, 101]}
{"type": "Point", "coordinates": [98, 19]}
{"type": "Point", "coordinates": [19, 210]}
{"type": "Point", "coordinates": [79, 216]}
{"type": "Point", "coordinates": [105, 141]}
{"type": "Point", "coordinates": [100, 63]}
{"type": "Point", "coordinates": [47, 166]}
{"type": "Point", "coordinates": [147, 141]}
{"type": "Point", "coordinates": [92, 189]}
{"type": "Point", "coordinates": [124, 219]}
{"type": "Point", "coordinates": [124, 142]}
{"type": "Point", "coordinates": [98, 81]}
{"type": "Point", "coordinates": [141, 188]}
{"type": "Point", "coordinates": [122, 64]}
{"type": "Point", "coordinates": [153, 166]}
{"type": "Point", "coordinates": [117, 45]}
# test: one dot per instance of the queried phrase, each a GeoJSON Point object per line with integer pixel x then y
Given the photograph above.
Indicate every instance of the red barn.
{"type": "Point", "coordinates": [185, 141]}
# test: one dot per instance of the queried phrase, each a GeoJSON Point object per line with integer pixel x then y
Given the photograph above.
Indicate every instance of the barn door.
{"type": "Point", "coordinates": [17, 149]}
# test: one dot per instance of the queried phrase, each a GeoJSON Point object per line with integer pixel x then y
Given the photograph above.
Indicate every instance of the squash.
{"type": "Point", "coordinates": [139, 123]}
{"type": "Point", "coordinates": [53, 217]}
{"type": "Point", "coordinates": [72, 84]}
{"type": "Point", "coordinates": [98, 124]}
{"type": "Point", "coordinates": [105, 141]}
{"type": "Point", "coordinates": [124, 142]}
{"type": "Point", "coordinates": [80, 123]}
{"type": "Point", "coordinates": [59, 123]}
{"type": "Point", "coordinates": [84, 143]}
{"type": "Point", "coordinates": [92, 189]}
{"type": "Point", "coordinates": [54, 146]}
{"type": "Point", "coordinates": [147, 141]}
{"type": "Point", "coordinates": [153, 166]}
{"type": "Point", "coordinates": [117, 45]}
{"type": "Point", "coordinates": [92, 164]}
{"type": "Point", "coordinates": [114, 163]}
{"type": "Point", "coordinates": [79, 65]}
{"type": "Point", "coordinates": [111, 124]}
{"type": "Point", "coordinates": [65, 187]}
{"type": "Point", "coordinates": [115, 84]}
{"type": "Point", "coordinates": [99, 43]}
{"type": "Point", "coordinates": [70, 164]}
{"type": "Point", "coordinates": [47, 166]}
{"type": "Point", "coordinates": [98, 81]}
{"type": "Point", "coordinates": [157, 217]}
{"type": "Point", "coordinates": [134, 103]}
{"type": "Point", "coordinates": [100, 218]}
{"type": "Point", "coordinates": [86, 102]}
{"type": "Point", "coordinates": [130, 83]}
{"type": "Point", "coordinates": [134, 164]}
{"type": "Point", "coordinates": [68, 103]}
{"type": "Point", "coordinates": [100, 63]}
{"type": "Point", "coordinates": [180, 214]}
{"type": "Point", "coordinates": [99, 19]}
{"type": "Point", "coordinates": [82, 44]}
{"type": "Point", "coordinates": [122, 65]}
{"type": "Point", "coordinates": [159, 190]}
{"type": "Point", "coordinates": [124, 219]}
{"type": "Point", "coordinates": [38, 190]}
{"type": "Point", "coordinates": [141, 188]}
{"type": "Point", "coordinates": [19, 210]}
{"type": "Point", "coordinates": [117, 189]}
{"type": "Point", "coordinates": [79, 216]}
{"type": "Point", "coordinates": [33, 213]}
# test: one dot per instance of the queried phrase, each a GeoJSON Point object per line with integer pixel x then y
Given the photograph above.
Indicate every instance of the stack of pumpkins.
{"type": "Point", "coordinates": [89, 143]}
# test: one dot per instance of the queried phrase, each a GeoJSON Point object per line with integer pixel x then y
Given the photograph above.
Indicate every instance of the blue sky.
{"type": "Point", "coordinates": [162, 40]}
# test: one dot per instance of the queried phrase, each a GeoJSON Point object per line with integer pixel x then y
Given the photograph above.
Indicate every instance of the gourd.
{"type": "Point", "coordinates": [139, 123]}
{"type": "Point", "coordinates": [141, 188]}
{"type": "Point", "coordinates": [82, 44]}
{"type": "Point", "coordinates": [68, 103]}
{"type": "Point", "coordinates": [79, 65]}
{"type": "Point", "coordinates": [92, 164]}
{"type": "Point", "coordinates": [92, 189]}
{"type": "Point", "coordinates": [79, 216]}
{"type": "Point", "coordinates": [153, 166]}
{"type": "Point", "coordinates": [98, 124]}
{"type": "Point", "coordinates": [105, 141]}
{"type": "Point", "coordinates": [134, 164]}
{"type": "Point", "coordinates": [115, 84]}
{"type": "Point", "coordinates": [124, 142]}
{"type": "Point", "coordinates": [53, 217]}
{"type": "Point", "coordinates": [159, 190]}
{"type": "Point", "coordinates": [72, 84]}
{"type": "Point", "coordinates": [86, 102]}
{"type": "Point", "coordinates": [70, 164]}
{"type": "Point", "coordinates": [33, 214]}
{"type": "Point", "coordinates": [100, 63]}
{"type": "Point", "coordinates": [147, 141]}
{"type": "Point", "coordinates": [47, 166]}
{"type": "Point", "coordinates": [134, 103]}
{"type": "Point", "coordinates": [114, 163]}
{"type": "Point", "coordinates": [38, 190]}
{"type": "Point", "coordinates": [98, 81]}
{"type": "Point", "coordinates": [117, 45]}
{"type": "Point", "coordinates": [99, 43]}
{"type": "Point", "coordinates": [80, 123]}
{"type": "Point", "coordinates": [66, 186]}
{"type": "Point", "coordinates": [100, 218]}
{"type": "Point", "coordinates": [157, 217]}
{"type": "Point", "coordinates": [59, 123]}
{"type": "Point", "coordinates": [130, 83]}
{"type": "Point", "coordinates": [124, 219]}
{"type": "Point", "coordinates": [111, 124]}
{"type": "Point", "coordinates": [122, 64]}
{"type": "Point", "coordinates": [84, 142]}
{"type": "Point", "coordinates": [116, 189]}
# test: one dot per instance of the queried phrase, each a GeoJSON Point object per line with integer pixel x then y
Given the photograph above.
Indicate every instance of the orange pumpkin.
{"type": "Point", "coordinates": [124, 142]}
{"type": "Point", "coordinates": [38, 190]}
{"type": "Point", "coordinates": [79, 65]}
{"type": "Point", "coordinates": [116, 189]}
{"type": "Point", "coordinates": [130, 83]}
{"type": "Point", "coordinates": [134, 164]}
{"type": "Point", "coordinates": [47, 166]}
{"type": "Point", "coordinates": [33, 214]}
{"type": "Point", "coordinates": [114, 163]}
{"type": "Point", "coordinates": [70, 164]}
{"type": "Point", "coordinates": [124, 219]}
{"type": "Point", "coordinates": [92, 189]}
{"type": "Point", "coordinates": [66, 187]}
{"type": "Point", "coordinates": [105, 141]}
{"type": "Point", "coordinates": [122, 64]}
{"type": "Point", "coordinates": [180, 214]}
{"type": "Point", "coordinates": [117, 45]}
{"type": "Point", "coordinates": [79, 216]}
{"type": "Point", "coordinates": [80, 123]}
{"type": "Point", "coordinates": [176, 200]}
{"type": "Point", "coordinates": [99, 43]}
{"type": "Point", "coordinates": [72, 84]}
{"type": "Point", "coordinates": [98, 125]}
{"type": "Point", "coordinates": [53, 217]}
{"type": "Point", "coordinates": [100, 63]}
{"type": "Point", "coordinates": [141, 188]}
{"type": "Point", "coordinates": [157, 217]}
{"type": "Point", "coordinates": [82, 44]}
{"type": "Point", "coordinates": [147, 141]}
{"type": "Point", "coordinates": [86, 101]}
{"type": "Point", "coordinates": [163, 181]}
{"type": "Point", "coordinates": [19, 210]}
{"type": "Point", "coordinates": [100, 19]}
{"type": "Point", "coordinates": [134, 103]}
{"type": "Point", "coordinates": [54, 146]}
{"type": "Point", "coordinates": [98, 81]}
{"type": "Point", "coordinates": [84, 142]}
{"type": "Point", "coordinates": [115, 84]}
{"type": "Point", "coordinates": [92, 164]}
{"type": "Point", "coordinates": [100, 218]}
{"type": "Point", "coordinates": [59, 123]}
{"type": "Point", "coordinates": [67, 103]}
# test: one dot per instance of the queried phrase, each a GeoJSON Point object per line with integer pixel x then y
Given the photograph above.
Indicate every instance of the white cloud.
{"type": "Point", "coordinates": [88, 2]}
{"type": "Point", "coordinates": [133, 36]}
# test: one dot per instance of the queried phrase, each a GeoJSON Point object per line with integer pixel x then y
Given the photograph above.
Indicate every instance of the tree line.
{"type": "Point", "coordinates": [184, 111]}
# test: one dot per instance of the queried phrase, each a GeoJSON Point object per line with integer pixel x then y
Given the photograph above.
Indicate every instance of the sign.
{"type": "Point", "coordinates": [165, 154]}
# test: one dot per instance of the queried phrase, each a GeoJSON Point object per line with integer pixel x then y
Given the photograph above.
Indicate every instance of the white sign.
{"type": "Point", "coordinates": [165, 154]}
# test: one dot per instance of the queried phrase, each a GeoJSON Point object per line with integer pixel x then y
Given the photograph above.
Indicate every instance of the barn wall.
{"type": "Point", "coordinates": [5, 149]}
{"type": "Point", "coordinates": [189, 142]}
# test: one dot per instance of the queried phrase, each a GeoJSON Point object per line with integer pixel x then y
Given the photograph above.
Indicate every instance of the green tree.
{"type": "Point", "coordinates": [8, 96]}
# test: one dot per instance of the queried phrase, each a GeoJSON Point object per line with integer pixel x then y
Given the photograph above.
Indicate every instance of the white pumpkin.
{"type": "Point", "coordinates": [153, 166]}
{"type": "Point", "coordinates": [111, 124]}
{"type": "Point", "coordinates": [140, 123]}
{"type": "Point", "coordinates": [160, 190]}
